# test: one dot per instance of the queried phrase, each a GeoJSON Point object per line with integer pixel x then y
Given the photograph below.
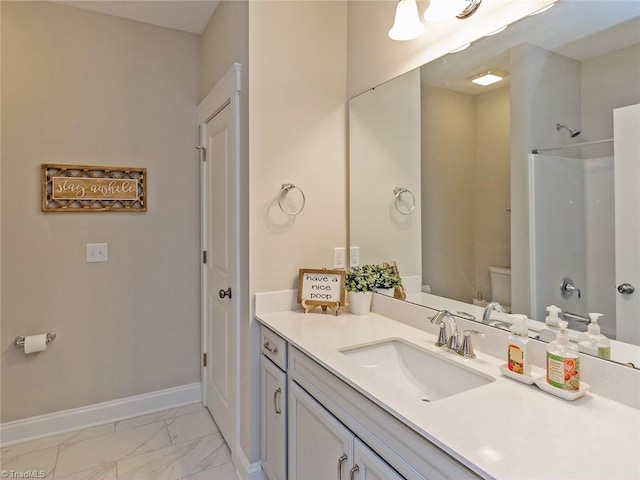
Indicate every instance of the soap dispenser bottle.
{"type": "Point", "coordinates": [553, 320]}
{"type": "Point", "coordinates": [517, 354]}
{"type": "Point", "coordinates": [592, 341]}
{"type": "Point", "coordinates": [563, 361]}
{"type": "Point", "coordinates": [552, 324]}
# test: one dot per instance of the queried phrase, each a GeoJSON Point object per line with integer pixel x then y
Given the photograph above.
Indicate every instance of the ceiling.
{"type": "Point", "coordinates": [596, 28]}
{"type": "Point", "coordinates": [185, 15]}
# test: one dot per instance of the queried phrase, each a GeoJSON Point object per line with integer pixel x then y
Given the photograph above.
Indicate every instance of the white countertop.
{"type": "Point", "coordinates": [505, 429]}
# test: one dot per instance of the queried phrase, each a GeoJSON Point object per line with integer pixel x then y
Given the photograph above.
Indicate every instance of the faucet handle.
{"type": "Point", "coordinates": [466, 350]}
{"type": "Point", "coordinates": [442, 336]}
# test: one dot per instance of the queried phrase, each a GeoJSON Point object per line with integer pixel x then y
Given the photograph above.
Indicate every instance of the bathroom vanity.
{"type": "Point", "coordinates": [351, 413]}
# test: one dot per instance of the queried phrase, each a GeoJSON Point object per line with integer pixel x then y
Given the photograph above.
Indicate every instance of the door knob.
{"type": "Point", "coordinates": [626, 288]}
{"type": "Point", "coordinates": [224, 293]}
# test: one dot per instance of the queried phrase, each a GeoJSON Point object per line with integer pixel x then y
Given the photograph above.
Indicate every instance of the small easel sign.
{"type": "Point", "coordinates": [321, 288]}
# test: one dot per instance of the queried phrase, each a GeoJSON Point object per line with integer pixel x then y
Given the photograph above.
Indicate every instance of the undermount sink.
{"type": "Point", "coordinates": [414, 371]}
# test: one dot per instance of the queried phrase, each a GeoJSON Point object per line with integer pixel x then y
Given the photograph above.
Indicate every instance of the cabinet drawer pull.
{"type": "Point", "coordinates": [273, 350]}
{"type": "Point", "coordinates": [353, 471]}
{"type": "Point", "coordinates": [341, 460]}
{"type": "Point", "coordinates": [275, 401]}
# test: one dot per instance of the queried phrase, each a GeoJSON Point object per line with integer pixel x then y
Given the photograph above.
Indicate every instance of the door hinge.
{"type": "Point", "coordinates": [204, 256]}
{"type": "Point", "coordinates": [203, 153]}
{"type": "Point", "coordinates": [204, 359]}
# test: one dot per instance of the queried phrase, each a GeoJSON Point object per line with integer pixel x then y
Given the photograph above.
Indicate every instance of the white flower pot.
{"type": "Point", "coordinates": [360, 302]}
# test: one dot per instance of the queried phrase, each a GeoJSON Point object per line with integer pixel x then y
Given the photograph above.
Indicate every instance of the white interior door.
{"type": "Point", "coordinates": [219, 120]}
{"type": "Point", "coordinates": [219, 248]}
{"type": "Point", "coordinates": [219, 245]}
{"type": "Point", "coordinates": [626, 123]}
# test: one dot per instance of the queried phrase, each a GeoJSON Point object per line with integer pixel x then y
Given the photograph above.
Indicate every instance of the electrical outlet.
{"type": "Point", "coordinates": [97, 252]}
{"type": "Point", "coordinates": [339, 260]}
{"type": "Point", "coordinates": [354, 256]}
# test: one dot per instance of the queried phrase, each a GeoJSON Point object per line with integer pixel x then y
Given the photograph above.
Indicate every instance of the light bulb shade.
{"type": "Point", "coordinates": [439, 10]}
{"type": "Point", "coordinates": [406, 25]}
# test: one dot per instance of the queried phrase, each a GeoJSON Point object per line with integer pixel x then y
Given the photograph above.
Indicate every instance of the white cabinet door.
{"type": "Point", "coordinates": [320, 447]}
{"type": "Point", "coordinates": [274, 420]}
{"type": "Point", "coordinates": [369, 466]}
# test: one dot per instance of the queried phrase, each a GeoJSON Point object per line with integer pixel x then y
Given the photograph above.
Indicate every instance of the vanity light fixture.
{"type": "Point", "coordinates": [460, 48]}
{"type": "Point", "coordinates": [543, 9]}
{"type": "Point", "coordinates": [497, 31]}
{"type": "Point", "coordinates": [448, 9]}
{"type": "Point", "coordinates": [487, 78]}
{"type": "Point", "coordinates": [407, 24]}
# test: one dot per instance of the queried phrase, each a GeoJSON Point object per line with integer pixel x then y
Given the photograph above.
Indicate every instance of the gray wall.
{"type": "Point", "coordinates": [293, 109]}
{"type": "Point", "coordinates": [85, 88]}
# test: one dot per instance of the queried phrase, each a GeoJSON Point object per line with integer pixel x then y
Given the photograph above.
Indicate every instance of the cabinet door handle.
{"type": "Point", "coordinates": [267, 345]}
{"type": "Point", "coordinates": [353, 471]}
{"type": "Point", "coordinates": [275, 401]}
{"type": "Point", "coordinates": [341, 460]}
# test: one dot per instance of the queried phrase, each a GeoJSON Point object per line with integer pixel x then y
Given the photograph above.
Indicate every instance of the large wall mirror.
{"type": "Point", "coordinates": [522, 191]}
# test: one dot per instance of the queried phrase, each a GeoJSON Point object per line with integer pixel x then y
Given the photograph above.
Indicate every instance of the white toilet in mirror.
{"type": "Point", "coordinates": [500, 278]}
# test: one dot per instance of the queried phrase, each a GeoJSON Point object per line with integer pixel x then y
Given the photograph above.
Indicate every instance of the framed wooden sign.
{"type": "Point", "coordinates": [321, 288]}
{"type": "Point", "coordinates": [85, 188]}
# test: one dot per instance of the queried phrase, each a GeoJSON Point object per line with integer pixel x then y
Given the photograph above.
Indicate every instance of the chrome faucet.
{"type": "Point", "coordinates": [450, 339]}
{"type": "Point", "coordinates": [487, 310]}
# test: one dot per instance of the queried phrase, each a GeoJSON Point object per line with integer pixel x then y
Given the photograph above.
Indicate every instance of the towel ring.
{"type": "Point", "coordinates": [286, 187]}
{"type": "Point", "coordinates": [398, 192]}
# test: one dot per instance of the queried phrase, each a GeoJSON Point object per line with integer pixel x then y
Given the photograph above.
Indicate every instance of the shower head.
{"type": "Point", "coordinates": [572, 131]}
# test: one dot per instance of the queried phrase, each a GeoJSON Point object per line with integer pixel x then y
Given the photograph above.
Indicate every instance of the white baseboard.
{"type": "Point", "coordinates": [246, 470]}
{"type": "Point", "coordinates": [97, 414]}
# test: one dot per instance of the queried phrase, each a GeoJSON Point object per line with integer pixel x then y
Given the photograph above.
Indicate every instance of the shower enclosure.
{"type": "Point", "coordinates": [573, 236]}
{"type": "Point", "coordinates": [584, 225]}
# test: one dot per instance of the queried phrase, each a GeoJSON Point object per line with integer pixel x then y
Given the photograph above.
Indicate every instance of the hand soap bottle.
{"type": "Point", "coordinates": [552, 324]}
{"type": "Point", "coordinates": [592, 341]}
{"type": "Point", "coordinates": [563, 361]}
{"type": "Point", "coordinates": [517, 354]}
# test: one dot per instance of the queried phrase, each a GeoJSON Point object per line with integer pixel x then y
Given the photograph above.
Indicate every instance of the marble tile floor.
{"type": "Point", "coordinates": [181, 443]}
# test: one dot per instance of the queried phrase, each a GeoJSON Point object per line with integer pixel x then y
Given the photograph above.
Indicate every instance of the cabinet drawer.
{"type": "Point", "coordinates": [274, 347]}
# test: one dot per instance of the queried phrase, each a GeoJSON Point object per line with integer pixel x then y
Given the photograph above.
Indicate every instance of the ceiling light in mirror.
{"type": "Point", "coordinates": [495, 32]}
{"type": "Point", "coordinates": [406, 25]}
{"type": "Point", "coordinates": [439, 10]}
{"type": "Point", "coordinates": [543, 9]}
{"type": "Point", "coordinates": [460, 48]}
{"type": "Point", "coordinates": [487, 78]}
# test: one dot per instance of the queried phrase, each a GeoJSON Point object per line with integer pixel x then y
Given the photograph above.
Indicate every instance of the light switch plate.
{"type": "Point", "coordinates": [354, 256]}
{"type": "Point", "coordinates": [339, 260]}
{"type": "Point", "coordinates": [97, 252]}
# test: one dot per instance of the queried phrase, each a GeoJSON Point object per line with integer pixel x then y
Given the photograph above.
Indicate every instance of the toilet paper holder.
{"type": "Point", "coordinates": [19, 341]}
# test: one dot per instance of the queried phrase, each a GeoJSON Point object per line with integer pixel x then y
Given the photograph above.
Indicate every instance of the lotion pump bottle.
{"type": "Point", "coordinates": [552, 324]}
{"type": "Point", "coordinates": [517, 354]}
{"type": "Point", "coordinates": [592, 341]}
{"type": "Point", "coordinates": [563, 361]}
